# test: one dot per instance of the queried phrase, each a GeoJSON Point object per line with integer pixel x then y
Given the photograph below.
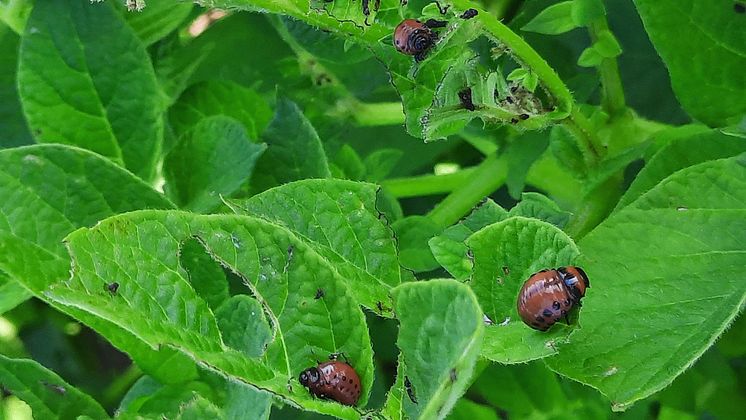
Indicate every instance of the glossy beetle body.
{"type": "Point", "coordinates": [412, 37]}
{"type": "Point", "coordinates": [549, 295]}
{"type": "Point", "coordinates": [333, 380]}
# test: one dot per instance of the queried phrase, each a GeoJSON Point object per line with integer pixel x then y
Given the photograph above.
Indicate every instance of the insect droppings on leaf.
{"type": "Point", "coordinates": [469, 13]}
{"type": "Point", "coordinates": [319, 293]}
{"type": "Point", "coordinates": [465, 97]}
{"type": "Point", "coordinates": [112, 287]}
{"type": "Point", "coordinates": [410, 390]}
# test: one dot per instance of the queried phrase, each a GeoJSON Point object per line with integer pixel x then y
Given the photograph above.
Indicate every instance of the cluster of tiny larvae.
{"type": "Point", "coordinates": [415, 38]}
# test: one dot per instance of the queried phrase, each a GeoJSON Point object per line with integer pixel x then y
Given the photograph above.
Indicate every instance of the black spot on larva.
{"type": "Point", "coordinates": [539, 319]}
{"type": "Point", "coordinates": [112, 288]}
{"type": "Point", "coordinates": [319, 294]}
{"type": "Point", "coordinates": [547, 313]}
{"type": "Point", "coordinates": [523, 116]}
{"type": "Point", "coordinates": [350, 381]}
{"type": "Point", "coordinates": [556, 305]}
{"type": "Point", "coordinates": [506, 270]}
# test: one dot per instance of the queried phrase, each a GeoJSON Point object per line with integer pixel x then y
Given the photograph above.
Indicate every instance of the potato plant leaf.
{"type": "Point", "coordinates": [158, 19]}
{"type": "Point", "coordinates": [12, 293]}
{"type": "Point", "coordinates": [294, 150]}
{"type": "Point", "coordinates": [156, 303]}
{"type": "Point", "coordinates": [706, 65]}
{"type": "Point", "coordinates": [220, 97]}
{"type": "Point", "coordinates": [449, 248]}
{"type": "Point", "coordinates": [505, 254]}
{"type": "Point", "coordinates": [666, 280]}
{"type": "Point", "coordinates": [213, 159]}
{"type": "Point", "coordinates": [440, 335]}
{"type": "Point", "coordinates": [679, 154]}
{"type": "Point", "coordinates": [340, 220]}
{"type": "Point", "coordinates": [64, 188]}
{"type": "Point", "coordinates": [79, 65]}
{"type": "Point", "coordinates": [48, 395]}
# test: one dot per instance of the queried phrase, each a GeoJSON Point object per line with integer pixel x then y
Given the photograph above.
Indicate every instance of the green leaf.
{"type": "Point", "coordinates": [380, 163]}
{"type": "Point", "coordinates": [349, 164]}
{"type": "Point", "coordinates": [521, 153]}
{"type": "Point", "coordinates": [590, 57]}
{"type": "Point", "coordinates": [212, 159]}
{"type": "Point", "coordinates": [514, 390]}
{"type": "Point", "coordinates": [505, 254]}
{"type": "Point", "coordinates": [12, 123]}
{"type": "Point", "coordinates": [12, 293]}
{"type": "Point", "coordinates": [584, 12]}
{"type": "Point", "coordinates": [243, 325]}
{"type": "Point", "coordinates": [666, 280]}
{"type": "Point", "coordinates": [449, 248]}
{"type": "Point", "coordinates": [538, 206]}
{"type": "Point", "coordinates": [340, 220]}
{"type": "Point", "coordinates": [48, 395]}
{"type": "Point", "coordinates": [164, 400]}
{"type": "Point", "coordinates": [679, 154]}
{"type": "Point", "coordinates": [243, 401]}
{"type": "Point", "coordinates": [607, 45]}
{"type": "Point", "coordinates": [156, 303]}
{"type": "Point", "coordinates": [294, 150]}
{"type": "Point", "coordinates": [220, 97]}
{"type": "Point", "coordinates": [15, 13]}
{"type": "Point", "coordinates": [63, 188]}
{"type": "Point", "coordinates": [555, 19]}
{"type": "Point", "coordinates": [79, 66]}
{"type": "Point", "coordinates": [204, 274]}
{"type": "Point", "coordinates": [158, 19]}
{"type": "Point", "coordinates": [440, 334]}
{"type": "Point", "coordinates": [469, 410]}
{"type": "Point", "coordinates": [413, 233]}
{"type": "Point", "coordinates": [706, 65]}
{"type": "Point", "coordinates": [200, 408]}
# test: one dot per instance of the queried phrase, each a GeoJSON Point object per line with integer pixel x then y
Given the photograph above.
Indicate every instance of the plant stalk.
{"type": "Point", "coordinates": [427, 184]}
{"type": "Point", "coordinates": [612, 90]}
{"type": "Point", "coordinates": [486, 179]}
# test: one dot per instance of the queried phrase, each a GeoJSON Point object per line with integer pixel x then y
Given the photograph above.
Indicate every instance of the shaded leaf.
{"type": "Point", "coordinates": [705, 65]}
{"type": "Point", "coordinates": [440, 335]}
{"type": "Point", "coordinates": [213, 158]}
{"type": "Point", "coordinates": [220, 97]}
{"type": "Point", "coordinates": [158, 19]}
{"type": "Point", "coordinates": [48, 395]}
{"type": "Point", "coordinates": [555, 19]}
{"type": "Point", "coordinates": [76, 81]}
{"type": "Point", "coordinates": [449, 248]}
{"type": "Point", "coordinates": [675, 246]}
{"type": "Point", "coordinates": [340, 220]}
{"type": "Point", "coordinates": [294, 150]}
{"type": "Point", "coordinates": [413, 234]}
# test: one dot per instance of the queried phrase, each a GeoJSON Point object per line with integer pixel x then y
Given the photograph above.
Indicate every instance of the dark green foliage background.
{"type": "Point", "coordinates": [196, 204]}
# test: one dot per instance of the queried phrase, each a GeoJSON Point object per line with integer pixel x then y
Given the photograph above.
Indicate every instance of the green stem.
{"type": "Point", "coordinates": [377, 114]}
{"type": "Point", "coordinates": [588, 142]}
{"type": "Point", "coordinates": [612, 90]}
{"type": "Point", "coordinates": [595, 207]}
{"type": "Point", "coordinates": [427, 184]}
{"type": "Point", "coordinates": [116, 390]}
{"type": "Point", "coordinates": [486, 179]}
